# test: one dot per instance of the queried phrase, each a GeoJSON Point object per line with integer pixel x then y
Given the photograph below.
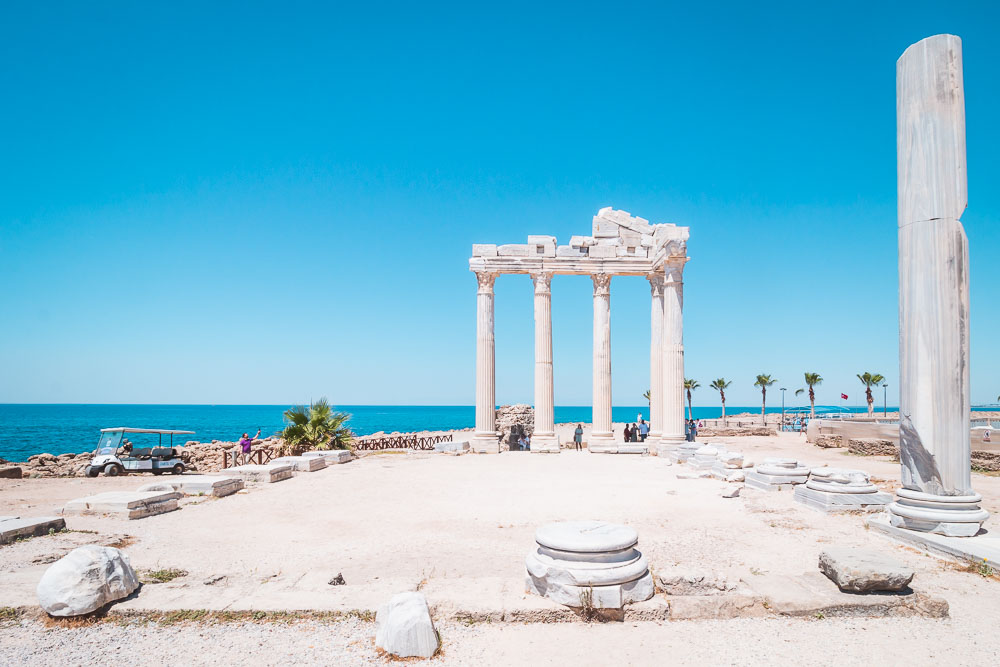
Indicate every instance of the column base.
{"type": "Point", "coordinates": [544, 444]}
{"type": "Point", "coordinates": [954, 516]}
{"type": "Point", "coordinates": [667, 444]}
{"type": "Point", "coordinates": [602, 443]}
{"type": "Point", "coordinates": [485, 443]}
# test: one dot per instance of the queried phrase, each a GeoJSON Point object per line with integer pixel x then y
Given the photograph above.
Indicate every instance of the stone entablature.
{"type": "Point", "coordinates": [620, 244]}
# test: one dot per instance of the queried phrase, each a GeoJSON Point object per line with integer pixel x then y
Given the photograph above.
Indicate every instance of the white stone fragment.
{"type": "Point", "coordinates": [127, 504]}
{"type": "Point", "coordinates": [85, 580]}
{"type": "Point", "coordinates": [265, 474]}
{"type": "Point", "coordinates": [732, 492]}
{"type": "Point", "coordinates": [863, 571]}
{"type": "Point", "coordinates": [14, 528]}
{"type": "Point", "coordinates": [541, 240]}
{"type": "Point", "coordinates": [403, 627]}
{"type": "Point", "coordinates": [515, 250]}
{"type": "Point", "coordinates": [581, 241]}
{"type": "Point", "coordinates": [484, 250]}
{"type": "Point", "coordinates": [301, 463]}
{"type": "Point", "coordinates": [603, 251]}
{"type": "Point", "coordinates": [332, 456]}
{"type": "Point", "coordinates": [570, 251]}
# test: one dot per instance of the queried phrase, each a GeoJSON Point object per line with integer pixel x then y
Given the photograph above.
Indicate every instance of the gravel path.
{"type": "Point", "coordinates": [910, 642]}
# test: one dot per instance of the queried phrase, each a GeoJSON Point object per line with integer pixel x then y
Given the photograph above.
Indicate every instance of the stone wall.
{"type": "Point", "coordinates": [726, 431]}
{"type": "Point", "coordinates": [829, 441]}
{"type": "Point", "coordinates": [507, 416]}
{"type": "Point", "coordinates": [873, 447]}
{"type": "Point", "coordinates": [986, 461]}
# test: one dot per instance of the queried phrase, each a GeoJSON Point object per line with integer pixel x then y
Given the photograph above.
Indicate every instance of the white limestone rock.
{"type": "Point", "coordinates": [571, 251]}
{"type": "Point", "coordinates": [581, 241]}
{"type": "Point", "coordinates": [85, 580]}
{"type": "Point", "coordinates": [14, 528]}
{"type": "Point", "coordinates": [603, 251]}
{"type": "Point", "coordinates": [732, 492]}
{"type": "Point", "coordinates": [452, 447]}
{"type": "Point", "coordinates": [862, 571]}
{"type": "Point", "coordinates": [403, 627]}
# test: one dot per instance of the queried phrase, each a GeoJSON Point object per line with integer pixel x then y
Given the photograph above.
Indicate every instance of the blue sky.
{"type": "Point", "coordinates": [239, 203]}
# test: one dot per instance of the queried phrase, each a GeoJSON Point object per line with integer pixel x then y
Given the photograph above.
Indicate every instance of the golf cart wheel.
{"type": "Point", "coordinates": [93, 472]}
{"type": "Point", "coordinates": [157, 472]}
{"type": "Point", "coordinates": [113, 470]}
{"type": "Point", "coordinates": [177, 469]}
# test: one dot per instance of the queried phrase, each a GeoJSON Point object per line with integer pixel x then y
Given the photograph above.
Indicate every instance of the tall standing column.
{"type": "Point", "coordinates": [485, 436]}
{"type": "Point", "coordinates": [937, 493]}
{"type": "Point", "coordinates": [601, 437]}
{"type": "Point", "coordinates": [656, 358]}
{"type": "Point", "coordinates": [673, 359]}
{"type": "Point", "coordinates": [544, 437]}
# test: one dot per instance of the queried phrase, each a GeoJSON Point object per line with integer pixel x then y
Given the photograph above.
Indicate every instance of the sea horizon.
{"type": "Point", "coordinates": [58, 428]}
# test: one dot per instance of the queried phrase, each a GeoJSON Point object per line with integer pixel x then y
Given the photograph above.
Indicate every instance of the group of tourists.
{"type": "Point", "coordinates": [637, 432]}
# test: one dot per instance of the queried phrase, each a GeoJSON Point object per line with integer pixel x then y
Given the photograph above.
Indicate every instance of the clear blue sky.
{"type": "Point", "coordinates": [236, 203]}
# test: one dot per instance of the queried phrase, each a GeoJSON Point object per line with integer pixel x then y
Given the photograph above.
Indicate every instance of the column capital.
{"type": "Point", "coordinates": [486, 280]}
{"type": "Point", "coordinates": [602, 283]}
{"type": "Point", "coordinates": [655, 284]}
{"type": "Point", "coordinates": [542, 281]}
{"type": "Point", "coordinates": [673, 274]}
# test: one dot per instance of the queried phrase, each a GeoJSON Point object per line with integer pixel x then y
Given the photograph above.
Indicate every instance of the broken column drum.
{"type": "Point", "coordinates": [934, 403]}
{"type": "Point", "coordinates": [841, 490]}
{"type": "Point", "coordinates": [773, 474]}
{"type": "Point", "coordinates": [588, 564]}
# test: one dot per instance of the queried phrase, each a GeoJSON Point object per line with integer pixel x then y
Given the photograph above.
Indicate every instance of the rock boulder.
{"type": "Point", "coordinates": [403, 627]}
{"type": "Point", "coordinates": [862, 571]}
{"type": "Point", "coordinates": [85, 580]}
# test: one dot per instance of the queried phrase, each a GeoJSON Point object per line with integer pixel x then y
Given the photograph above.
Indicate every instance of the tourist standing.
{"type": "Point", "coordinates": [628, 434]}
{"type": "Point", "coordinates": [643, 430]}
{"type": "Point", "coordinates": [578, 437]}
{"type": "Point", "coordinates": [694, 430]}
{"type": "Point", "coordinates": [244, 447]}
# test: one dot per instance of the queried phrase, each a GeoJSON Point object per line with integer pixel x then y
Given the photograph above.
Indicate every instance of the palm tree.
{"type": "Point", "coordinates": [870, 380]}
{"type": "Point", "coordinates": [812, 379]}
{"type": "Point", "coordinates": [315, 427]}
{"type": "Point", "coordinates": [763, 381]}
{"type": "Point", "coordinates": [690, 385]}
{"type": "Point", "coordinates": [720, 386]}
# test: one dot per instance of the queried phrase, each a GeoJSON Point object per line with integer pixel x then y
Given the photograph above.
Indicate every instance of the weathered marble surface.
{"type": "Point", "coordinates": [264, 474]}
{"type": "Point", "coordinates": [332, 456]}
{"type": "Point", "coordinates": [129, 504]}
{"type": "Point", "coordinates": [933, 289]}
{"type": "Point", "coordinates": [193, 485]}
{"type": "Point", "coordinates": [301, 463]}
{"type": "Point", "coordinates": [862, 571]}
{"type": "Point", "coordinates": [14, 528]}
{"type": "Point", "coordinates": [403, 627]}
{"type": "Point", "coordinates": [86, 579]}
{"type": "Point", "coordinates": [588, 564]}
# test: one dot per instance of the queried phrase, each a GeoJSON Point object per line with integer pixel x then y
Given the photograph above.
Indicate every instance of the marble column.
{"type": "Point", "coordinates": [601, 437]}
{"type": "Point", "coordinates": [673, 360]}
{"type": "Point", "coordinates": [656, 358]}
{"type": "Point", "coordinates": [937, 493]}
{"type": "Point", "coordinates": [485, 437]}
{"type": "Point", "coordinates": [544, 437]}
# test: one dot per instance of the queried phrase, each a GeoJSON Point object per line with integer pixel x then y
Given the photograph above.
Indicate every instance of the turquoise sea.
{"type": "Point", "coordinates": [57, 429]}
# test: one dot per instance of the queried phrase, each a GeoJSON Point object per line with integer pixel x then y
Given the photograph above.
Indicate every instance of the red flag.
{"type": "Point", "coordinates": [844, 396]}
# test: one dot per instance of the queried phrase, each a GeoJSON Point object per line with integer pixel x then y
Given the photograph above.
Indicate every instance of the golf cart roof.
{"type": "Point", "coordinates": [144, 430]}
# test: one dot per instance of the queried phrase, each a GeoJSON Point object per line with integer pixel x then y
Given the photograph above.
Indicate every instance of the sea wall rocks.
{"type": "Point", "coordinates": [986, 461]}
{"type": "Point", "coordinates": [730, 431]}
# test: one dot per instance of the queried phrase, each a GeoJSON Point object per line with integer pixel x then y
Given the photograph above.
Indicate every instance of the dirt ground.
{"type": "Point", "coordinates": [458, 528]}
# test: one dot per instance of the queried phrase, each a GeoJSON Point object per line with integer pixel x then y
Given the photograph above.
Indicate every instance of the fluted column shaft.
{"type": "Point", "coordinates": [544, 436]}
{"type": "Point", "coordinates": [656, 358]}
{"type": "Point", "coordinates": [601, 435]}
{"type": "Point", "coordinates": [485, 438]}
{"type": "Point", "coordinates": [673, 357]}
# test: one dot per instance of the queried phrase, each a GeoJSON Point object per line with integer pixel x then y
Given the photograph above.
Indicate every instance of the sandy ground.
{"type": "Point", "coordinates": [458, 527]}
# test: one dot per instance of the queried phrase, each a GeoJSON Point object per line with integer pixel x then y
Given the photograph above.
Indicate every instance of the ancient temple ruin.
{"type": "Point", "coordinates": [620, 244]}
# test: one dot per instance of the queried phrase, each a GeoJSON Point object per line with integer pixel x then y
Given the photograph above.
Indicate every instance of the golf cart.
{"type": "Point", "coordinates": [116, 455]}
